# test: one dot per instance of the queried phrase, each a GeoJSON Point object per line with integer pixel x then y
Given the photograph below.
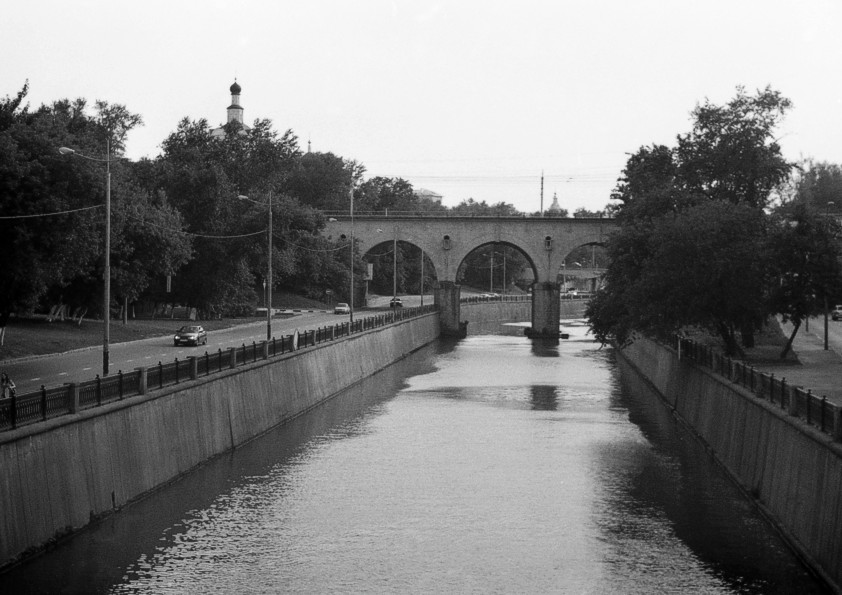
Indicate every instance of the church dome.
{"type": "Point", "coordinates": [235, 88]}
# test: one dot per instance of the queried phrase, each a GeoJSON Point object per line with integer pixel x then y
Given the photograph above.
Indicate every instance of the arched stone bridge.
{"type": "Point", "coordinates": [545, 241]}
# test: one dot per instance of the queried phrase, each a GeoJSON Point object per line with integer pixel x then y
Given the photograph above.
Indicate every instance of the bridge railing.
{"type": "Point", "coordinates": [800, 403]}
{"type": "Point", "coordinates": [484, 299]}
{"type": "Point", "coordinates": [392, 214]}
{"type": "Point", "coordinates": [47, 403]}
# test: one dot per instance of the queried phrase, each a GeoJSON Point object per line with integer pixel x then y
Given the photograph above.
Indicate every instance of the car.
{"type": "Point", "coordinates": [836, 314]}
{"type": "Point", "coordinates": [342, 308]}
{"type": "Point", "coordinates": [190, 335]}
{"type": "Point", "coordinates": [395, 302]}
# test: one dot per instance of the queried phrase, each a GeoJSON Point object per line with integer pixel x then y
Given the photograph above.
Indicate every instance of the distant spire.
{"type": "Point", "coordinates": [555, 207]}
{"type": "Point", "coordinates": [542, 191]}
{"type": "Point", "coordinates": [308, 144]}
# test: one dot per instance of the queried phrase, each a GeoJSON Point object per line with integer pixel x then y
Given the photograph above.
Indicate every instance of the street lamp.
{"type": "Point", "coordinates": [268, 281]}
{"type": "Point", "coordinates": [106, 275]}
{"type": "Point", "coordinates": [351, 297]}
{"type": "Point", "coordinates": [826, 305]}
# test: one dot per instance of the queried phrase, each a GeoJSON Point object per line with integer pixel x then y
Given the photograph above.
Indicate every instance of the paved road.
{"type": "Point", "coordinates": [76, 366]}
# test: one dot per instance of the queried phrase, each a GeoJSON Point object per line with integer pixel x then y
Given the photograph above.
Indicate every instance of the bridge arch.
{"type": "Point", "coordinates": [500, 253]}
{"type": "Point", "coordinates": [447, 240]}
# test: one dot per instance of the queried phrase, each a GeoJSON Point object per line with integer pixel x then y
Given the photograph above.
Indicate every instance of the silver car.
{"type": "Point", "coordinates": [190, 335]}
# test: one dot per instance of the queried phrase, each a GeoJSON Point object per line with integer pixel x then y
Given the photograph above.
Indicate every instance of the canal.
{"type": "Point", "coordinates": [489, 465]}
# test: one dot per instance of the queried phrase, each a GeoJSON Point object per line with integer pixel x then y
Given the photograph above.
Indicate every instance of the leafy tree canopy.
{"type": "Point", "coordinates": [690, 249]}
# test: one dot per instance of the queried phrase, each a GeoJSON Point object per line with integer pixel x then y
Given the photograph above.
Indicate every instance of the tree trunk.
{"type": "Point", "coordinates": [796, 325]}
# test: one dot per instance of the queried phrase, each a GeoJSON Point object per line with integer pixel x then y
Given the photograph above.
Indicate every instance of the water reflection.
{"type": "Point", "coordinates": [476, 466]}
{"type": "Point", "coordinates": [544, 398]}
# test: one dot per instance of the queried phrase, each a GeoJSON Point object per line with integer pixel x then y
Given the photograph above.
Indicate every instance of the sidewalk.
{"type": "Point", "coordinates": [818, 370]}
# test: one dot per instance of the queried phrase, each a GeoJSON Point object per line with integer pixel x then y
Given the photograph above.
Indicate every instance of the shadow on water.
{"type": "Point", "coordinates": [544, 398]}
{"type": "Point", "coordinates": [685, 483]}
{"type": "Point", "coordinates": [96, 558]}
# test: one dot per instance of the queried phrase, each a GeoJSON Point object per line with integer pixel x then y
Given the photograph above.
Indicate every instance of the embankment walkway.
{"type": "Point", "coordinates": [816, 369]}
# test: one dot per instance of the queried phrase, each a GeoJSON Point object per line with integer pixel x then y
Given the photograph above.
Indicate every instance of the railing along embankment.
{"type": "Point", "coordinates": [780, 443]}
{"type": "Point", "coordinates": [48, 403]}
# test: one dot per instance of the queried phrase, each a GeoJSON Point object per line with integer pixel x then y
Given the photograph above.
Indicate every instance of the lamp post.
{"type": "Point", "coordinates": [351, 297]}
{"type": "Point", "coordinates": [826, 305]}
{"type": "Point", "coordinates": [106, 275]}
{"type": "Point", "coordinates": [268, 282]}
{"type": "Point", "coordinates": [395, 267]}
{"type": "Point", "coordinates": [422, 276]}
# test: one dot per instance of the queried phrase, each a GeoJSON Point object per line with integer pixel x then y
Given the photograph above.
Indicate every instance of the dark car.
{"type": "Point", "coordinates": [837, 312]}
{"type": "Point", "coordinates": [190, 335]}
{"type": "Point", "coordinates": [396, 303]}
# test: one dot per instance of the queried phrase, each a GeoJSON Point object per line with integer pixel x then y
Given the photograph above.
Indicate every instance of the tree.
{"type": "Point", "coordinates": [731, 153]}
{"type": "Point", "coordinates": [202, 176]}
{"type": "Point", "coordinates": [806, 270]}
{"type": "Point", "coordinates": [473, 207]}
{"type": "Point", "coordinates": [321, 181]}
{"type": "Point", "coordinates": [382, 194]}
{"type": "Point", "coordinates": [689, 251]}
{"type": "Point", "coordinates": [818, 185]}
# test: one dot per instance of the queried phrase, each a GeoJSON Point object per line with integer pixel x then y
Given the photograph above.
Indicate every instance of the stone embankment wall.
{"type": "Point", "coordinates": [514, 311]}
{"type": "Point", "coordinates": [495, 311]}
{"type": "Point", "coordinates": [793, 471]}
{"type": "Point", "coordinates": [57, 476]}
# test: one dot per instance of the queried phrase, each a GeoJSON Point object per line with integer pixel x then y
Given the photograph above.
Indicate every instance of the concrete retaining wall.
{"type": "Point", "coordinates": [59, 475]}
{"type": "Point", "coordinates": [520, 311]}
{"type": "Point", "coordinates": [493, 311]}
{"type": "Point", "coordinates": [793, 471]}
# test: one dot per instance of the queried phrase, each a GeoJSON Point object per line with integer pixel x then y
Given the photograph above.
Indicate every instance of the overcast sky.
{"type": "Point", "coordinates": [470, 99]}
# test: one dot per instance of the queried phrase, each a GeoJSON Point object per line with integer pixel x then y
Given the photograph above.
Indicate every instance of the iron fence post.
{"type": "Point", "coordinates": [142, 379]}
{"type": "Point", "coordinates": [73, 397]}
{"type": "Point", "coordinates": [43, 403]}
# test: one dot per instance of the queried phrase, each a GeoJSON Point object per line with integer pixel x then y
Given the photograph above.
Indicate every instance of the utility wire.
{"type": "Point", "coordinates": [51, 214]}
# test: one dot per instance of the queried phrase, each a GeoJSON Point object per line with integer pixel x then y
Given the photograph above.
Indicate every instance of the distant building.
{"type": "Point", "coordinates": [235, 113]}
{"type": "Point", "coordinates": [554, 208]}
{"type": "Point", "coordinates": [428, 194]}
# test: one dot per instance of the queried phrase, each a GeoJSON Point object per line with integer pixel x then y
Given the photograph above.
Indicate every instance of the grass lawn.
{"type": "Point", "coordinates": [35, 336]}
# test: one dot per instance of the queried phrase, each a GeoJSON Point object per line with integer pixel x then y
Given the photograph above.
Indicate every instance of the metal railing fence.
{"type": "Point", "coordinates": [47, 403]}
{"type": "Point", "coordinates": [798, 402]}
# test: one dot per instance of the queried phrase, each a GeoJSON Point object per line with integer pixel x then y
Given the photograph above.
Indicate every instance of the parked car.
{"type": "Point", "coordinates": [836, 314]}
{"type": "Point", "coordinates": [190, 335]}
{"type": "Point", "coordinates": [395, 302]}
{"type": "Point", "coordinates": [342, 308]}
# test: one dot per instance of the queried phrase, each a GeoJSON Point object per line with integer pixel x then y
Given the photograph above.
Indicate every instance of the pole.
{"type": "Point", "coordinates": [351, 300]}
{"type": "Point", "coordinates": [395, 265]}
{"type": "Point", "coordinates": [106, 310]}
{"type": "Point", "coordinates": [269, 277]}
{"type": "Point", "coordinates": [825, 323]}
{"type": "Point", "coordinates": [422, 277]}
{"type": "Point", "coordinates": [504, 272]}
{"type": "Point", "coordinates": [491, 272]}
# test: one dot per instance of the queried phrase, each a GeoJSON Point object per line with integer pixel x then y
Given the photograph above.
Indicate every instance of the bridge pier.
{"type": "Point", "coordinates": [546, 311]}
{"type": "Point", "coordinates": [446, 297]}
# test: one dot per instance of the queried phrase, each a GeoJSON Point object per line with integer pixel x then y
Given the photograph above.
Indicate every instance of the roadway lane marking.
{"type": "Point", "coordinates": [34, 379]}
{"type": "Point", "coordinates": [86, 369]}
{"type": "Point", "coordinates": [62, 373]}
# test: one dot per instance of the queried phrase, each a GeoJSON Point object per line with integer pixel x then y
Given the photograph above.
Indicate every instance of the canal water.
{"type": "Point", "coordinates": [489, 465]}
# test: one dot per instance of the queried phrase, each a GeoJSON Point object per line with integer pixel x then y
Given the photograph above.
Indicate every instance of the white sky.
{"type": "Point", "coordinates": [467, 98]}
